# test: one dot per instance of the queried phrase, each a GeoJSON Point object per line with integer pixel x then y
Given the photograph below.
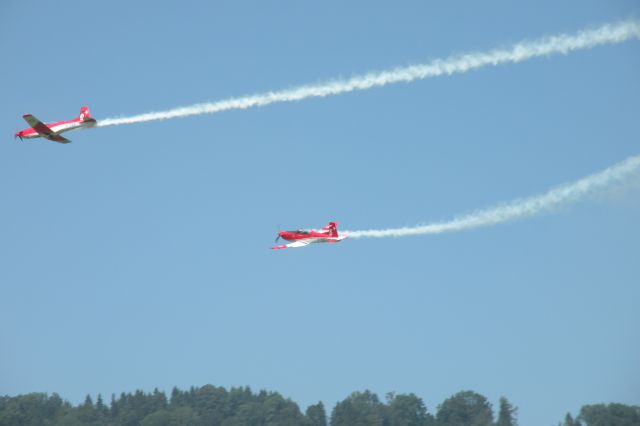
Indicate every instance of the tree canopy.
{"type": "Point", "coordinates": [216, 406]}
{"type": "Point", "coordinates": [466, 408]}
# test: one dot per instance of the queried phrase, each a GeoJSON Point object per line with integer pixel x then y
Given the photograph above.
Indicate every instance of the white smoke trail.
{"type": "Point", "coordinates": [517, 209]}
{"type": "Point", "coordinates": [560, 44]}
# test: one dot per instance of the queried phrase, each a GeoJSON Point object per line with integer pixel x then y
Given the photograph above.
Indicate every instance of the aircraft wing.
{"type": "Point", "coordinates": [299, 243]}
{"type": "Point", "coordinates": [43, 130]}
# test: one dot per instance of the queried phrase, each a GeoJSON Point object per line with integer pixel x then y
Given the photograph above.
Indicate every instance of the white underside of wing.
{"type": "Point", "coordinates": [299, 243]}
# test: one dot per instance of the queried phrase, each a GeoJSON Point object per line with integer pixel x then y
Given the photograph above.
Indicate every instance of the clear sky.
{"type": "Point", "coordinates": [138, 256]}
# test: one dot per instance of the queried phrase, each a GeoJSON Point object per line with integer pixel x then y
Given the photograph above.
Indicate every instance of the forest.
{"type": "Point", "coordinates": [212, 406]}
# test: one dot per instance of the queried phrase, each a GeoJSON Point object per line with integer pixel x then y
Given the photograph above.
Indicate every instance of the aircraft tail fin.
{"type": "Point", "coordinates": [332, 227]}
{"type": "Point", "coordinates": [84, 113]}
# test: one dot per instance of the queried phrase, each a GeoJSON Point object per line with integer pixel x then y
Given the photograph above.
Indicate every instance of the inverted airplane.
{"type": "Point", "coordinates": [52, 131]}
{"type": "Point", "coordinates": [304, 237]}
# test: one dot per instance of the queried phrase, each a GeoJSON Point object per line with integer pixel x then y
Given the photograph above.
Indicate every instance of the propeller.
{"type": "Point", "coordinates": [16, 136]}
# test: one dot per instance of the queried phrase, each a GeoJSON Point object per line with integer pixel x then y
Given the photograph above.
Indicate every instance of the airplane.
{"type": "Point", "coordinates": [52, 131]}
{"type": "Point", "coordinates": [303, 237]}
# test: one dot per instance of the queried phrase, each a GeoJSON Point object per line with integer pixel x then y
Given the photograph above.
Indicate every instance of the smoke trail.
{"type": "Point", "coordinates": [560, 44]}
{"type": "Point", "coordinates": [517, 209]}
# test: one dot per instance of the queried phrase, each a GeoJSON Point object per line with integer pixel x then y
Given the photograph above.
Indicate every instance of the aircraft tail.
{"type": "Point", "coordinates": [332, 227]}
{"type": "Point", "coordinates": [84, 113]}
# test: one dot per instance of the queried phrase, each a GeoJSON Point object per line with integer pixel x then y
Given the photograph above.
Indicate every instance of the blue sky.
{"type": "Point", "coordinates": [137, 256]}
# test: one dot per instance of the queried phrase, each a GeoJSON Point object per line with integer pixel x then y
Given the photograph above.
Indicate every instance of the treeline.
{"type": "Point", "coordinates": [215, 406]}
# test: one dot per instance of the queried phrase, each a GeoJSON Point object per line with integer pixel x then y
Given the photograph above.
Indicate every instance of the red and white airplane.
{"type": "Point", "coordinates": [303, 237]}
{"type": "Point", "coordinates": [52, 131]}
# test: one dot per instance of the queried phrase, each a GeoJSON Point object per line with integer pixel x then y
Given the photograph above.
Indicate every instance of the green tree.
{"type": "Point", "coordinates": [407, 410]}
{"type": "Point", "coordinates": [102, 409]}
{"type": "Point", "coordinates": [210, 403]}
{"type": "Point", "coordinates": [359, 409]}
{"type": "Point", "coordinates": [113, 408]}
{"type": "Point", "coordinates": [610, 415]}
{"type": "Point", "coordinates": [279, 411]}
{"type": "Point", "coordinates": [569, 421]}
{"type": "Point", "coordinates": [28, 410]}
{"type": "Point", "coordinates": [157, 418]}
{"type": "Point", "coordinates": [266, 409]}
{"type": "Point", "coordinates": [157, 401]}
{"type": "Point", "coordinates": [183, 416]}
{"type": "Point", "coordinates": [180, 416]}
{"type": "Point", "coordinates": [507, 413]}
{"type": "Point", "coordinates": [87, 412]}
{"type": "Point", "coordinates": [466, 408]}
{"type": "Point", "coordinates": [316, 415]}
{"type": "Point", "coordinates": [247, 414]}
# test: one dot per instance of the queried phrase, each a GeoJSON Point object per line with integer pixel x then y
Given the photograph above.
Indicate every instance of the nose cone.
{"type": "Point", "coordinates": [285, 235]}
